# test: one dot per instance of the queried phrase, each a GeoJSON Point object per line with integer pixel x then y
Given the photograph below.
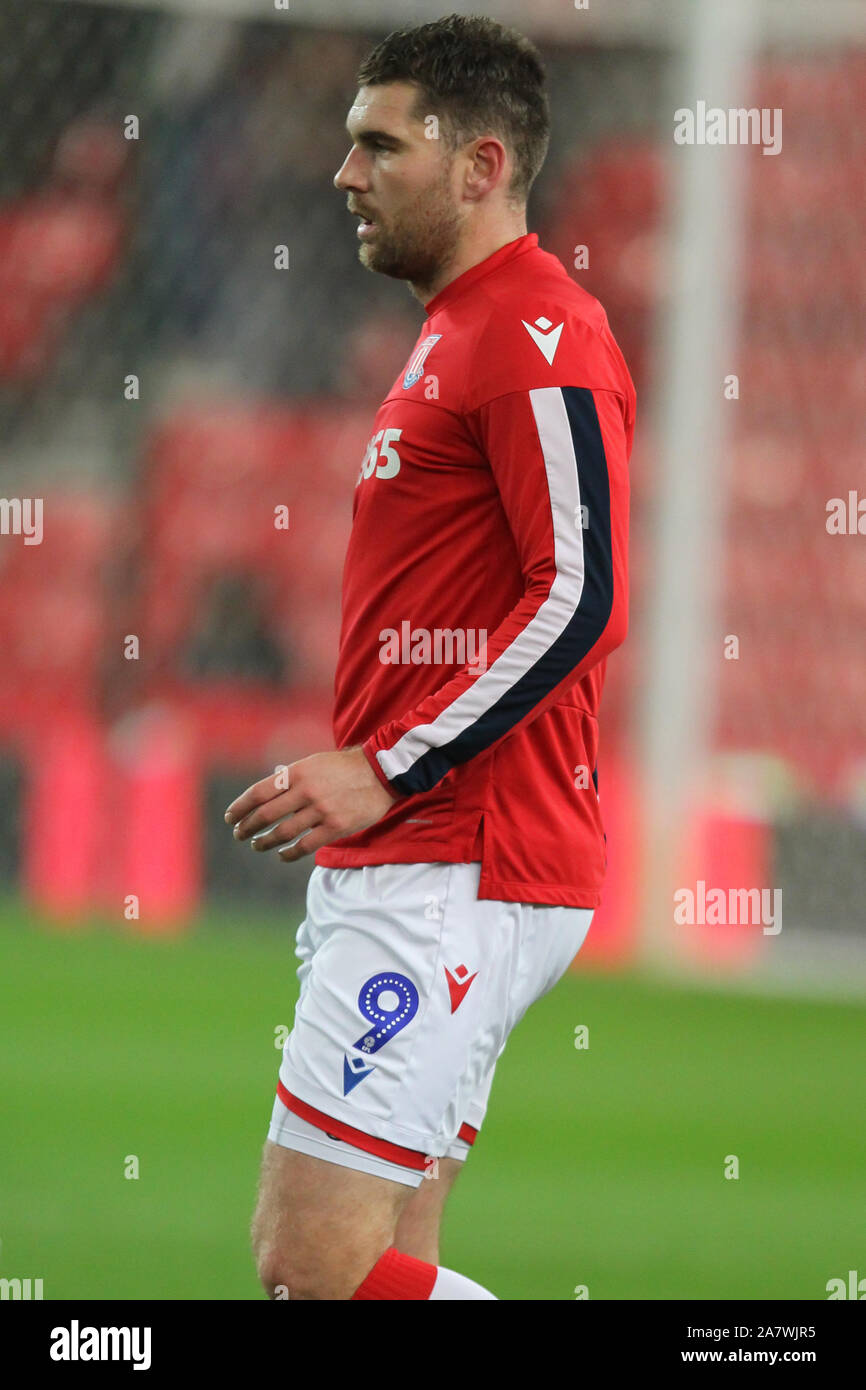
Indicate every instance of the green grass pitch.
{"type": "Point", "coordinates": [601, 1167]}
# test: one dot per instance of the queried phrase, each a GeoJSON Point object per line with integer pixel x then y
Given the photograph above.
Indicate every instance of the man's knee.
{"type": "Point", "coordinates": [290, 1266]}
{"type": "Point", "coordinates": [297, 1270]}
{"type": "Point", "coordinates": [284, 1276]}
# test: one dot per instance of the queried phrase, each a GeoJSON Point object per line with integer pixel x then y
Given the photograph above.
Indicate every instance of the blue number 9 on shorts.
{"type": "Point", "coordinates": [388, 1001]}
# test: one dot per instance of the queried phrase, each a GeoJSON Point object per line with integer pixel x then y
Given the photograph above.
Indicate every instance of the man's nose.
{"type": "Point", "coordinates": [351, 174]}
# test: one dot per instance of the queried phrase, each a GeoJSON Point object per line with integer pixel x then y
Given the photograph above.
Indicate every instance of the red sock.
{"type": "Point", "coordinates": [398, 1276]}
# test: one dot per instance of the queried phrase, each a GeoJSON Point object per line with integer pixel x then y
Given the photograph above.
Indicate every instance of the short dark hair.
{"type": "Point", "coordinates": [478, 78]}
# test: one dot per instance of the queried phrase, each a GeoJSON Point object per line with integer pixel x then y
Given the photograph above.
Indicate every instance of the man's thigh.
{"type": "Point", "coordinates": [418, 1228]}
{"type": "Point", "coordinates": [319, 1228]}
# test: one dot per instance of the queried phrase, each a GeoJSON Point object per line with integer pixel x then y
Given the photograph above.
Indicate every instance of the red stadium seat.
{"type": "Point", "coordinates": [213, 480]}
{"type": "Point", "coordinates": [53, 611]}
{"type": "Point", "coordinates": [56, 251]}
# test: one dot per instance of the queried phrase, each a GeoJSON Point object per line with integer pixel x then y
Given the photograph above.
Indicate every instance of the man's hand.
{"type": "Point", "coordinates": [328, 795]}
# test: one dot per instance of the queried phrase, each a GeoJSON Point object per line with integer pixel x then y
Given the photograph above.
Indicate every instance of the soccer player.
{"type": "Point", "coordinates": [458, 840]}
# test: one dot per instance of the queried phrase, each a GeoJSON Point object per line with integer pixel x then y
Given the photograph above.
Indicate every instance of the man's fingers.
{"type": "Point", "coordinates": [328, 795]}
{"type": "Point", "coordinates": [316, 839]}
{"type": "Point", "coordinates": [260, 792]}
{"type": "Point", "coordinates": [288, 829]}
{"type": "Point", "coordinates": [267, 812]}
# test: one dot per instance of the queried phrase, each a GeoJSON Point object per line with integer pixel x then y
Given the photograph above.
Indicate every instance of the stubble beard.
{"type": "Point", "coordinates": [420, 241]}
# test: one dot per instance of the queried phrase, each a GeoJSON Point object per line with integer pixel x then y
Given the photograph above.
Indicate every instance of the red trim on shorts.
{"type": "Point", "coordinates": [467, 1133]}
{"type": "Point", "coordinates": [407, 1158]}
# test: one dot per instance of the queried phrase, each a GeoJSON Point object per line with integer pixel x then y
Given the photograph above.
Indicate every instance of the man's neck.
{"type": "Point", "coordinates": [470, 252]}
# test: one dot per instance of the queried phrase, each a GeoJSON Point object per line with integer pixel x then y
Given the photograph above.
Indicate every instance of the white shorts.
{"type": "Point", "coordinates": [410, 986]}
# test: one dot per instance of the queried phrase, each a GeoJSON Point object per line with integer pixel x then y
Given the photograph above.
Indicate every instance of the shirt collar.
{"type": "Point", "coordinates": [509, 252]}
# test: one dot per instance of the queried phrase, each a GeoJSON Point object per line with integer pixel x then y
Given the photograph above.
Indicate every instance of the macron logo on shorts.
{"type": "Point", "coordinates": [458, 987]}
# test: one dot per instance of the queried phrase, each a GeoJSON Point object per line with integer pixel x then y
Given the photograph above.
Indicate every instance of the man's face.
{"type": "Point", "coordinates": [404, 183]}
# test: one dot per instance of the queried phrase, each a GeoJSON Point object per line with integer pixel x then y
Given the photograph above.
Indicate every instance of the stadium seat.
{"type": "Point", "coordinates": [213, 479]}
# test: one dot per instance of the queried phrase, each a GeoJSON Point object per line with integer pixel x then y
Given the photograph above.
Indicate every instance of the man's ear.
{"type": "Point", "coordinates": [488, 165]}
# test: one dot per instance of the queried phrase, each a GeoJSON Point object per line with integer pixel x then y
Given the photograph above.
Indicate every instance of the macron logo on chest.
{"type": "Point", "coordinates": [545, 337]}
